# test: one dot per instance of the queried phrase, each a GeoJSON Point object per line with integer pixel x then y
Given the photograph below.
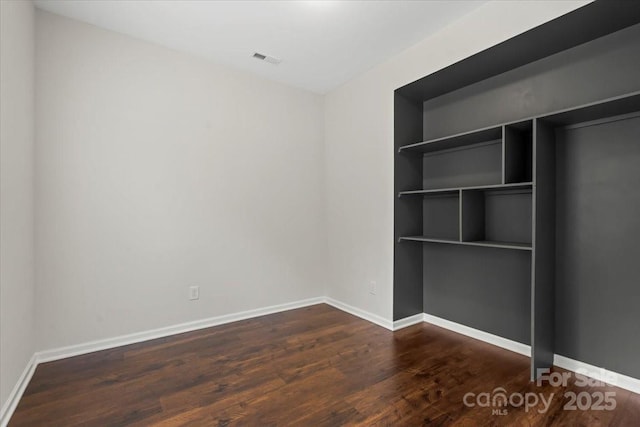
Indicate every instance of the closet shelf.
{"type": "Point", "coordinates": [482, 243]}
{"type": "Point", "coordinates": [515, 186]}
{"type": "Point", "coordinates": [493, 134]}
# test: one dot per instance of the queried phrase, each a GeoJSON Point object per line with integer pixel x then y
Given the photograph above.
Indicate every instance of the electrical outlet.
{"type": "Point", "coordinates": [194, 292]}
{"type": "Point", "coordinates": [372, 287]}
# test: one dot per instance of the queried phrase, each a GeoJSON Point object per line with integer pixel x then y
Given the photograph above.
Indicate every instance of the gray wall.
{"type": "Point", "coordinates": [598, 224]}
{"type": "Point", "coordinates": [594, 71]}
{"type": "Point", "coordinates": [485, 288]}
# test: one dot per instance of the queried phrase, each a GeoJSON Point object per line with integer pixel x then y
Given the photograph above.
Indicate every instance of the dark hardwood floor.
{"type": "Point", "coordinates": [315, 366]}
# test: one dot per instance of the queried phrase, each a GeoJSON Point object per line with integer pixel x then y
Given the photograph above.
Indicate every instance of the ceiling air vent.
{"type": "Point", "coordinates": [267, 58]}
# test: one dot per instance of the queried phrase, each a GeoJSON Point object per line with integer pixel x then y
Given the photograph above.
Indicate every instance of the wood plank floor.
{"type": "Point", "coordinates": [315, 366]}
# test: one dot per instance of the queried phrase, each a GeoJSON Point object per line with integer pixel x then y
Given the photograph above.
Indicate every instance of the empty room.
{"type": "Point", "coordinates": [319, 213]}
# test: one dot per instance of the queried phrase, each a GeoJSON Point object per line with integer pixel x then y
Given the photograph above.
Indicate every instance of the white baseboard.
{"type": "Point", "coordinates": [408, 321]}
{"type": "Point", "coordinates": [373, 318]}
{"type": "Point", "coordinates": [18, 390]}
{"type": "Point", "coordinates": [600, 374]}
{"type": "Point", "coordinates": [479, 335]}
{"type": "Point", "coordinates": [104, 344]}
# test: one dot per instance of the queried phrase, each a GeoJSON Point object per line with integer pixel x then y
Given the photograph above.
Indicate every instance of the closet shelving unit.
{"type": "Point", "coordinates": [491, 204]}
{"type": "Point", "coordinates": [492, 189]}
{"type": "Point", "coordinates": [515, 190]}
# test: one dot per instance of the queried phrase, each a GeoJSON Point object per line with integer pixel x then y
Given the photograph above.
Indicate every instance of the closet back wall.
{"type": "Point", "coordinates": [590, 72]}
{"type": "Point", "coordinates": [157, 171]}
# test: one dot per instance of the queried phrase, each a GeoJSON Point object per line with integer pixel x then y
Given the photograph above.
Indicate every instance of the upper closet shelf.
{"type": "Point", "coordinates": [618, 106]}
{"type": "Point", "coordinates": [455, 141]}
{"type": "Point", "coordinates": [515, 186]}
{"type": "Point", "coordinates": [481, 243]}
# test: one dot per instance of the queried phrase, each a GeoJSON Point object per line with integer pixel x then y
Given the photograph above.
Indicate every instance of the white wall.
{"type": "Point", "coordinates": [16, 192]}
{"type": "Point", "coordinates": [359, 146]}
{"type": "Point", "coordinates": [155, 171]}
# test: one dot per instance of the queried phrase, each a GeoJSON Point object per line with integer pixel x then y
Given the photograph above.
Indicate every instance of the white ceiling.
{"type": "Point", "coordinates": [322, 44]}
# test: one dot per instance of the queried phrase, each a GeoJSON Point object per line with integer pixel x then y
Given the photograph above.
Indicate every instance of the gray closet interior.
{"type": "Point", "coordinates": [517, 208]}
